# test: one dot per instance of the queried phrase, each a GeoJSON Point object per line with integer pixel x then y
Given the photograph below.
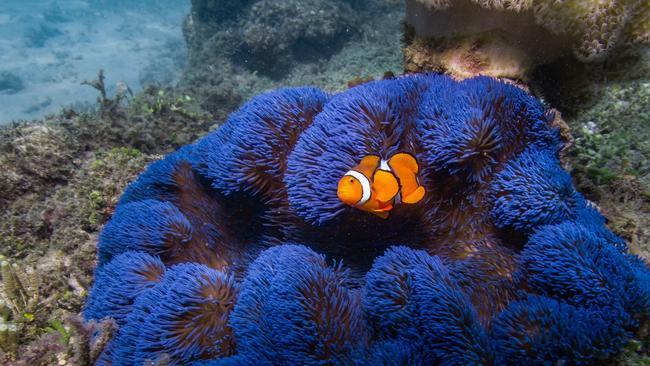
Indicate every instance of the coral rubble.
{"type": "Point", "coordinates": [509, 38]}
{"type": "Point", "coordinates": [221, 252]}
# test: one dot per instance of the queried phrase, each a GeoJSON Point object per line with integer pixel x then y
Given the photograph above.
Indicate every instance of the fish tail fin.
{"type": "Point", "coordinates": [415, 197]}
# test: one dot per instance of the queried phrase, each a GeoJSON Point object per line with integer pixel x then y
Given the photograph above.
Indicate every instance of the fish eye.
{"type": "Point", "coordinates": [351, 180]}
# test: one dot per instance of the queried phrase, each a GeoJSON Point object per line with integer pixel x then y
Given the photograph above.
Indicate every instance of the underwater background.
{"type": "Point", "coordinates": [92, 92]}
{"type": "Point", "coordinates": [49, 48]}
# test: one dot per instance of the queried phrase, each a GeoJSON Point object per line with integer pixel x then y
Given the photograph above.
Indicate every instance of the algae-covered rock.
{"type": "Point", "coordinates": [61, 178]}
{"type": "Point", "coordinates": [608, 110]}
{"type": "Point", "coordinates": [269, 36]}
{"type": "Point", "coordinates": [33, 158]}
{"type": "Point", "coordinates": [55, 236]}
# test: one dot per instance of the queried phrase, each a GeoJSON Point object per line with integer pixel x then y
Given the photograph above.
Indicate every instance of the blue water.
{"type": "Point", "coordinates": [48, 48]}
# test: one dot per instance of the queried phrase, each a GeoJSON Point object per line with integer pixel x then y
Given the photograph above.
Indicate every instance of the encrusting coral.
{"type": "Point", "coordinates": [510, 37]}
{"type": "Point", "coordinates": [221, 253]}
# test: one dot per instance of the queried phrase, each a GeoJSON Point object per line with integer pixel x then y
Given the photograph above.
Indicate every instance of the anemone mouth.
{"type": "Point", "coordinates": [480, 151]}
{"type": "Point", "coordinates": [151, 272]}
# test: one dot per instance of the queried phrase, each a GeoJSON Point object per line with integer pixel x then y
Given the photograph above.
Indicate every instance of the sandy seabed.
{"type": "Point", "coordinates": [48, 48]}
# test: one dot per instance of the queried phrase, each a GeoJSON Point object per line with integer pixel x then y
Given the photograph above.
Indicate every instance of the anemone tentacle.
{"type": "Point", "coordinates": [591, 218]}
{"type": "Point", "coordinates": [376, 118]}
{"type": "Point", "coordinates": [157, 182]}
{"type": "Point", "coordinates": [120, 282]}
{"type": "Point", "coordinates": [570, 262]}
{"type": "Point", "coordinates": [148, 226]}
{"type": "Point", "coordinates": [249, 153]}
{"type": "Point", "coordinates": [389, 353]}
{"type": "Point", "coordinates": [537, 330]}
{"type": "Point", "coordinates": [294, 309]}
{"type": "Point", "coordinates": [411, 295]}
{"type": "Point", "coordinates": [184, 316]}
{"type": "Point", "coordinates": [533, 190]}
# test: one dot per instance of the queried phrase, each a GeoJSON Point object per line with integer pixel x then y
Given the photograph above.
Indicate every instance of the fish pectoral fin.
{"type": "Point", "coordinates": [385, 186]}
{"type": "Point", "coordinates": [382, 214]}
{"type": "Point", "coordinates": [415, 196]}
{"type": "Point", "coordinates": [383, 209]}
{"type": "Point", "coordinates": [404, 161]}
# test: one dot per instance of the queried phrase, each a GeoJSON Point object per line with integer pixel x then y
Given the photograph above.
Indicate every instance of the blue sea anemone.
{"type": "Point", "coordinates": [148, 226]}
{"type": "Point", "coordinates": [238, 360]}
{"type": "Point", "coordinates": [592, 219]}
{"type": "Point", "coordinates": [469, 144]}
{"type": "Point", "coordinates": [410, 295]}
{"type": "Point", "coordinates": [120, 282]}
{"type": "Point", "coordinates": [487, 276]}
{"type": "Point", "coordinates": [249, 153]}
{"type": "Point", "coordinates": [389, 288]}
{"type": "Point", "coordinates": [390, 353]}
{"type": "Point", "coordinates": [237, 251]}
{"type": "Point", "coordinates": [568, 261]}
{"type": "Point", "coordinates": [161, 181]}
{"type": "Point", "coordinates": [374, 118]}
{"type": "Point", "coordinates": [295, 309]}
{"type": "Point", "coordinates": [473, 129]}
{"type": "Point", "coordinates": [533, 190]}
{"type": "Point", "coordinates": [539, 331]}
{"type": "Point", "coordinates": [460, 137]}
{"type": "Point", "coordinates": [185, 316]}
{"type": "Point", "coordinates": [190, 225]}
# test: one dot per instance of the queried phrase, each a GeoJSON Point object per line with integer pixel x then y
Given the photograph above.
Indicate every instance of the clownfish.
{"type": "Point", "coordinates": [375, 185]}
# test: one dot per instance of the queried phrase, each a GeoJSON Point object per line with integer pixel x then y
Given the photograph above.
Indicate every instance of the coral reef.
{"type": "Point", "coordinates": [51, 224]}
{"type": "Point", "coordinates": [61, 175]}
{"type": "Point", "coordinates": [510, 38]}
{"type": "Point", "coordinates": [272, 35]}
{"type": "Point", "coordinates": [213, 253]}
{"type": "Point", "coordinates": [277, 33]}
{"type": "Point", "coordinates": [54, 238]}
{"type": "Point", "coordinates": [34, 157]}
{"type": "Point", "coordinates": [263, 44]}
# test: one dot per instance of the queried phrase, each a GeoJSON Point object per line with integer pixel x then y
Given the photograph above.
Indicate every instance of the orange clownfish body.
{"type": "Point", "coordinates": [375, 185]}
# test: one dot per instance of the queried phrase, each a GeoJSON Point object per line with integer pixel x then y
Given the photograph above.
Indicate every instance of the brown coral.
{"type": "Point", "coordinates": [524, 33]}
{"type": "Point", "coordinates": [597, 27]}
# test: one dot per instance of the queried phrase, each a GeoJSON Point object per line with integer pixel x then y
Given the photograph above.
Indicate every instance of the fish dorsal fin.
{"type": "Point", "coordinates": [384, 186]}
{"type": "Point", "coordinates": [404, 162]}
{"type": "Point", "coordinates": [368, 165]}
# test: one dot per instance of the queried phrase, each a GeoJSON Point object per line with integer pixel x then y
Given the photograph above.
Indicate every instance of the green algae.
{"type": "Point", "coordinates": [613, 137]}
